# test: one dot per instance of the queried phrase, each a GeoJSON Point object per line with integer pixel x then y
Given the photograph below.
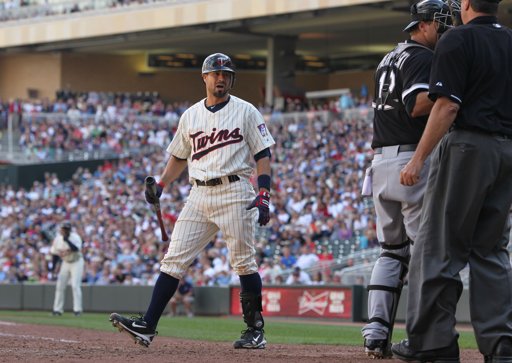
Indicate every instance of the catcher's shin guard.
{"type": "Point", "coordinates": [251, 309]}
{"type": "Point", "coordinates": [392, 256]}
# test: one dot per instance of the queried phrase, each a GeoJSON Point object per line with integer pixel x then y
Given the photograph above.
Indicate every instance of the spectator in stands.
{"type": "Point", "coordinates": [307, 258]}
{"type": "Point", "coordinates": [298, 277]}
{"type": "Point", "coordinates": [184, 296]}
{"type": "Point", "coordinates": [317, 278]}
{"type": "Point", "coordinates": [287, 259]}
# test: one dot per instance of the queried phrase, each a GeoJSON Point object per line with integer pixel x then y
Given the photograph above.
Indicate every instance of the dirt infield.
{"type": "Point", "coordinates": [34, 343]}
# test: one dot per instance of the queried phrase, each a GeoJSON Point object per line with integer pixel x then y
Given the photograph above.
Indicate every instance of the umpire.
{"type": "Point", "coordinates": [468, 196]}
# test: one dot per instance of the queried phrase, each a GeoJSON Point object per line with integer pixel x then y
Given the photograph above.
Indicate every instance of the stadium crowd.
{"type": "Point", "coordinates": [317, 168]}
{"type": "Point", "coordinates": [25, 9]}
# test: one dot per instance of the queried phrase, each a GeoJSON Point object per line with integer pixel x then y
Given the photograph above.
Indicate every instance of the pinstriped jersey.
{"type": "Point", "coordinates": [220, 143]}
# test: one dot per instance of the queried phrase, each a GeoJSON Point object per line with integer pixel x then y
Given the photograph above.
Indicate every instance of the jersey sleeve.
{"type": "Point", "coordinates": [54, 250]}
{"type": "Point", "coordinates": [180, 144]}
{"type": "Point", "coordinates": [449, 68]}
{"type": "Point", "coordinates": [76, 240]}
{"type": "Point", "coordinates": [415, 75]}
{"type": "Point", "coordinates": [258, 135]}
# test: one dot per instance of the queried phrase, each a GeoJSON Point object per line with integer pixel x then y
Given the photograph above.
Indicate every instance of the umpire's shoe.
{"type": "Point", "coordinates": [136, 327]}
{"type": "Point", "coordinates": [502, 352]}
{"type": "Point", "coordinates": [443, 355]}
{"type": "Point", "coordinates": [251, 339]}
{"type": "Point", "coordinates": [377, 348]}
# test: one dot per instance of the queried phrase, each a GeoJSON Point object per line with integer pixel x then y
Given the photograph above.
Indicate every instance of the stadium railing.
{"type": "Point", "coordinates": [10, 149]}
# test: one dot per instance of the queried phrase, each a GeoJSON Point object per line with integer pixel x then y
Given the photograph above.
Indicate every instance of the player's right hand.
{"type": "Point", "coordinates": [154, 198]}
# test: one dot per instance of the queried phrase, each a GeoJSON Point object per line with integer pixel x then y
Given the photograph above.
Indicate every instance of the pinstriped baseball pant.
{"type": "Point", "coordinates": [207, 210]}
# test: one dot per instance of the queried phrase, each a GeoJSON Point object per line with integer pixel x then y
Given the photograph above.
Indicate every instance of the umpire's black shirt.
{"type": "Point", "coordinates": [470, 65]}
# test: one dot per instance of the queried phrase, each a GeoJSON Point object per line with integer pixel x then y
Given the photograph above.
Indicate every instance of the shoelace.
{"type": "Point", "coordinates": [139, 318]}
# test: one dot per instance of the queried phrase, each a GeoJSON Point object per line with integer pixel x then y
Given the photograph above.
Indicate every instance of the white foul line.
{"type": "Point", "coordinates": [36, 337]}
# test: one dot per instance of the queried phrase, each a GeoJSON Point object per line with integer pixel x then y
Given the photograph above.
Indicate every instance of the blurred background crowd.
{"type": "Point", "coordinates": [319, 221]}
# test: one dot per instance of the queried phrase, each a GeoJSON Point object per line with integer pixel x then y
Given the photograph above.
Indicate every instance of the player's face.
{"type": "Point", "coordinates": [218, 83]}
{"type": "Point", "coordinates": [430, 33]}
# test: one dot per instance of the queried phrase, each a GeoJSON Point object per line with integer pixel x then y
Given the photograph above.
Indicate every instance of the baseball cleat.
{"type": "Point", "coordinates": [377, 348]}
{"type": "Point", "coordinates": [251, 339]}
{"type": "Point", "coordinates": [136, 327]}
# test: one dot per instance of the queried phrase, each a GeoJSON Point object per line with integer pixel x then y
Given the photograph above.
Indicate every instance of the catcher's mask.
{"type": "Point", "coordinates": [454, 6]}
{"type": "Point", "coordinates": [454, 18]}
{"type": "Point", "coordinates": [219, 62]}
{"type": "Point", "coordinates": [431, 10]}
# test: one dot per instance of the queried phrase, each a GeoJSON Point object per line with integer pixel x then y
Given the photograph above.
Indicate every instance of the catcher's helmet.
{"type": "Point", "coordinates": [430, 10]}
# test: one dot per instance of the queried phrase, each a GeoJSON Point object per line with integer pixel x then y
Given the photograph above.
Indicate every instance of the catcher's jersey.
{"type": "Point", "coordinates": [220, 143]}
{"type": "Point", "coordinates": [401, 74]}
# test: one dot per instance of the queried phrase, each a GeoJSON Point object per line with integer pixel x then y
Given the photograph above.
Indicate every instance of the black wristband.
{"type": "Point", "coordinates": [264, 181]}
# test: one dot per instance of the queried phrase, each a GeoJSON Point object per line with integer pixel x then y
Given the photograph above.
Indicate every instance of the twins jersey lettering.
{"type": "Point", "coordinates": [220, 143]}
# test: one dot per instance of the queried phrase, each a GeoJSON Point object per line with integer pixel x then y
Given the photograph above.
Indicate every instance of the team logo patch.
{"type": "Point", "coordinates": [263, 130]}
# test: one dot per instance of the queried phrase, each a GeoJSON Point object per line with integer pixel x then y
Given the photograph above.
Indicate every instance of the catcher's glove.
{"type": "Point", "coordinates": [261, 202]}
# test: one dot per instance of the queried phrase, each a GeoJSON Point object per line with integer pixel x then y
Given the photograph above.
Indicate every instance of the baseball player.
{"type": "Point", "coordinates": [469, 194]}
{"type": "Point", "coordinates": [401, 108]}
{"type": "Point", "coordinates": [219, 139]}
{"type": "Point", "coordinates": [67, 246]}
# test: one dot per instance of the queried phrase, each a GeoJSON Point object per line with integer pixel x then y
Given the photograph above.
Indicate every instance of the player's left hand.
{"type": "Point", "coordinates": [261, 202]}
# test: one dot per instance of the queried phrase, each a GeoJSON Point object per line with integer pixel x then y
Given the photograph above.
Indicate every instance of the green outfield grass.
{"type": "Point", "coordinates": [277, 330]}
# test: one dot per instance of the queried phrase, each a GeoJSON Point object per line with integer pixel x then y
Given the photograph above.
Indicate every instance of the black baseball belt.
{"type": "Point", "coordinates": [216, 181]}
{"type": "Point", "coordinates": [401, 148]}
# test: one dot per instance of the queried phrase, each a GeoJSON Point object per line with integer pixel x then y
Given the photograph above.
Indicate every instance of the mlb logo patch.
{"type": "Point", "coordinates": [263, 129]}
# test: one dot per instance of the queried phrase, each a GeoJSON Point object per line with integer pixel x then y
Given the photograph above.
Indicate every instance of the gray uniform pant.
{"type": "Point", "coordinates": [398, 211]}
{"type": "Point", "coordinates": [464, 220]}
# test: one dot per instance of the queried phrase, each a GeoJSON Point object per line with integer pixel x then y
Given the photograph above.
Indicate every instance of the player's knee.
{"type": "Point", "coordinates": [245, 269]}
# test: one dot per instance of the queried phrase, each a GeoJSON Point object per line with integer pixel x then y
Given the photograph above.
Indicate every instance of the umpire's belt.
{"type": "Point", "coordinates": [216, 181]}
{"type": "Point", "coordinates": [401, 148]}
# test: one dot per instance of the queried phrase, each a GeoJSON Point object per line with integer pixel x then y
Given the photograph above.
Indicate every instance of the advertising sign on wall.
{"type": "Point", "coordinates": [301, 302]}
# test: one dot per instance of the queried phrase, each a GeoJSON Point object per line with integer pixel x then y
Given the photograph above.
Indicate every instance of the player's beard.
{"type": "Point", "coordinates": [222, 92]}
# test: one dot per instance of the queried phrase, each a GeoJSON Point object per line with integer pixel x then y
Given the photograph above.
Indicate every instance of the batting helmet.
{"type": "Point", "coordinates": [430, 10]}
{"type": "Point", "coordinates": [219, 62]}
{"type": "Point", "coordinates": [66, 225]}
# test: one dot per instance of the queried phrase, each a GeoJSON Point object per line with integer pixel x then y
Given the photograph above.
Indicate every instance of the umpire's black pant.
{"type": "Point", "coordinates": [464, 220]}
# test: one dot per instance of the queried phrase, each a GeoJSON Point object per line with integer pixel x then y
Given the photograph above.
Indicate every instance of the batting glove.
{"type": "Point", "coordinates": [261, 202]}
{"type": "Point", "coordinates": [153, 199]}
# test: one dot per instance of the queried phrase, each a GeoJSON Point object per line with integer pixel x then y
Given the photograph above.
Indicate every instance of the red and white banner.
{"type": "Point", "coordinates": [301, 302]}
